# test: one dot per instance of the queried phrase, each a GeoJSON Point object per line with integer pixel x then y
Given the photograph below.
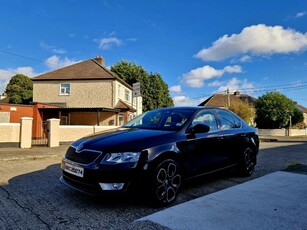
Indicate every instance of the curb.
{"type": "Point", "coordinates": [34, 157]}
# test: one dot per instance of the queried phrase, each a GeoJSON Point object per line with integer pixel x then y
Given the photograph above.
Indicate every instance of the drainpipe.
{"type": "Point", "coordinates": [98, 117]}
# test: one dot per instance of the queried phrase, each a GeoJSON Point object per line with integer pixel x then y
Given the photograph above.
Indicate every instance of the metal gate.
{"type": "Point", "coordinates": [40, 137]}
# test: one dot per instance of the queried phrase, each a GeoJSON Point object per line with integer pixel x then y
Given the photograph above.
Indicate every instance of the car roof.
{"type": "Point", "coordinates": [193, 108]}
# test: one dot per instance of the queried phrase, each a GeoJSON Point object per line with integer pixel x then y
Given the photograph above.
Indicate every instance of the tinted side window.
{"type": "Point", "coordinates": [237, 121]}
{"type": "Point", "coordinates": [228, 121]}
{"type": "Point", "coordinates": [206, 118]}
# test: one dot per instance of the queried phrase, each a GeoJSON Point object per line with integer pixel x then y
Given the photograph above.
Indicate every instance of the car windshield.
{"type": "Point", "coordinates": [161, 119]}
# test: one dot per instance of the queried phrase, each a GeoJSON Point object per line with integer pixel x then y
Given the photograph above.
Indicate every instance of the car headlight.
{"type": "Point", "coordinates": [123, 157]}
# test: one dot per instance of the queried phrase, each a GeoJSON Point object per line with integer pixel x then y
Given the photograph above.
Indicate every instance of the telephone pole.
{"type": "Point", "coordinates": [228, 97]}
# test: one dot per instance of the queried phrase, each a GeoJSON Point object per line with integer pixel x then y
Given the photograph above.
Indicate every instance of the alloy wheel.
{"type": "Point", "coordinates": [168, 181]}
{"type": "Point", "coordinates": [249, 162]}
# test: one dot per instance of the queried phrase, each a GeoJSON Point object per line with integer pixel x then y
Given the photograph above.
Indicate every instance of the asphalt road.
{"type": "Point", "coordinates": [31, 196]}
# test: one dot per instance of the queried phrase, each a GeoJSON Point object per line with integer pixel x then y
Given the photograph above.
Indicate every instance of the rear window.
{"type": "Point", "coordinates": [228, 120]}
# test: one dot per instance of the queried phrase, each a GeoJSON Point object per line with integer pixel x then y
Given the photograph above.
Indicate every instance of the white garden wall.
{"type": "Point", "coordinates": [70, 133]}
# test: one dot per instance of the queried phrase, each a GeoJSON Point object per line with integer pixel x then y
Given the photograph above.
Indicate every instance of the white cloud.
{"type": "Point", "coordinates": [55, 62]}
{"type": "Point", "coordinates": [215, 84]}
{"type": "Point", "coordinates": [52, 48]}
{"type": "Point", "coordinates": [43, 45]}
{"type": "Point", "coordinates": [245, 58]}
{"type": "Point", "coordinates": [195, 78]}
{"type": "Point", "coordinates": [300, 14]}
{"type": "Point", "coordinates": [7, 74]}
{"type": "Point", "coordinates": [107, 43]}
{"type": "Point", "coordinates": [187, 101]}
{"type": "Point", "coordinates": [232, 69]}
{"type": "Point", "coordinates": [255, 40]}
{"type": "Point", "coordinates": [175, 89]}
{"type": "Point", "coordinates": [235, 84]}
{"type": "Point", "coordinates": [180, 100]}
{"type": "Point", "coordinates": [59, 51]}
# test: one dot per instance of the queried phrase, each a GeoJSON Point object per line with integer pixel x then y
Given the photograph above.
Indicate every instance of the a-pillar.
{"type": "Point", "coordinates": [54, 132]}
{"type": "Point", "coordinates": [26, 132]}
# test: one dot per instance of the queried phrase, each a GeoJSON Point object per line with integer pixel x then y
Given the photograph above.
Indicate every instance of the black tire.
{"type": "Point", "coordinates": [166, 182]}
{"type": "Point", "coordinates": [247, 163]}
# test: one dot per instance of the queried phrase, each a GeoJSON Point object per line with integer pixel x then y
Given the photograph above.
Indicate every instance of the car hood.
{"type": "Point", "coordinates": [125, 139]}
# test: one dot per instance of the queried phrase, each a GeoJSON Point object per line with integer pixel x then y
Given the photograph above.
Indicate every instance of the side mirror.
{"type": "Point", "coordinates": [200, 128]}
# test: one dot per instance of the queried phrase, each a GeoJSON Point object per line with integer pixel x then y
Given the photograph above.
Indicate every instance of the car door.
{"type": "Point", "coordinates": [231, 131]}
{"type": "Point", "coordinates": [200, 150]}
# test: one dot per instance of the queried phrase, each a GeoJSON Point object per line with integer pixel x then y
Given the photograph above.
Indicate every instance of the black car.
{"type": "Point", "coordinates": [159, 149]}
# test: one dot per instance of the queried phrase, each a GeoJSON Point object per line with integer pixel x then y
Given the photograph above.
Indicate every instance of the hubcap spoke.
{"type": "Point", "coordinates": [168, 182]}
{"type": "Point", "coordinates": [171, 170]}
{"type": "Point", "coordinates": [171, 194]}
{"type": "Point", "coordinates": [161, 191]}
{"type": "Point", "coordinates": [176, 181]}
{"type": "Point", "coordinates": [161, 176]}
{"type": "Point", "coordinates": [249, 162]}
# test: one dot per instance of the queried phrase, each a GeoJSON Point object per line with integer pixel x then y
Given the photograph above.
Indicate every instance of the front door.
{"type": "Point", "coordinates": [201, 151]}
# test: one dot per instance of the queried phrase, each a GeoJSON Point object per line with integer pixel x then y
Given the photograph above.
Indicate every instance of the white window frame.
{"type": "Point", "coordinates": [121, 119]}
{"type": "Point", "coordinates": [119, 92]}
{"type": "Point", "coordinates": [64, 87]}
{"type": "Point", "coordinates": [127, 95]}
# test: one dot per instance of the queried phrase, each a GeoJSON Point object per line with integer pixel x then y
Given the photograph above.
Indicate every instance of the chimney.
{"type": "Point", "coordinates": [237, 93]}
{"type": "Point", "coordinates": [100, 60]}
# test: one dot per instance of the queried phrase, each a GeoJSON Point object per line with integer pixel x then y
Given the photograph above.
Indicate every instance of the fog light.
{"type": "Point", "coordinates": [111, 186]}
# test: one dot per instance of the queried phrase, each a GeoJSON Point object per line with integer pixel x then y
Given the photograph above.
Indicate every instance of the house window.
{"type": "Point", "coordinates": [119, 90]}
{"type": "Point", "coordinates": [127, 95]}
{"type": "Point", "coordinates": [131, 116]}
{"type": "Point", "coordinates": [65, 89]}
{"type": "Point", "coordinates": [120, 119]}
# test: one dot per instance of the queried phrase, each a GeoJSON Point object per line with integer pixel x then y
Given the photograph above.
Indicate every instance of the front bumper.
{"type": "Point", "coordinates": [93, 176]}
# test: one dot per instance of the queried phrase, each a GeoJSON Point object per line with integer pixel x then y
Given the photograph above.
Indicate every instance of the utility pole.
{"type": "Point", "coordinates": [228, 97]}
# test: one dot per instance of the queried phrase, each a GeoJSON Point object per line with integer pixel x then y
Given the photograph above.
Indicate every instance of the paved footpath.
{"type": "Point", "coordinates": [36, 152]}
{"type": "Point", "coordinates": [275, 201]}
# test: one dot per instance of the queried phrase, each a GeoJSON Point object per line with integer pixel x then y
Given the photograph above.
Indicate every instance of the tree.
{"type": "Point", "coordinates": [274, 110]}
{"type": "Point", "coordinates": [153, 89]}
{"type": "Point", "coordinates": [244, 111]}
{"type": "Point", "coordinates": [19, 89]}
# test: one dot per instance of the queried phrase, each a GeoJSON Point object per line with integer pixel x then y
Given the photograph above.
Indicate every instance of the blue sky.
{"type": "Point", "coordinates": [198, 47]}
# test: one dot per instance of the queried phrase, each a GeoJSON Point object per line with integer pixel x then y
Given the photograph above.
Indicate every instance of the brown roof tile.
{"type": "Point", "coordinates": [89, 69]}
{"type": "Point", "coordinates": [221, 100]}
{"type": "Point", "coordinates": [302, 108]}
{"type": "Point", "coordinates": [124, 106]}
{"type": "Point", "coordinates": [85, 70]}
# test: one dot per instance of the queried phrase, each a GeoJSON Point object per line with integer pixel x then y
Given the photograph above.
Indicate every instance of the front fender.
{"type": "Point", "coordinates": [157, 151]}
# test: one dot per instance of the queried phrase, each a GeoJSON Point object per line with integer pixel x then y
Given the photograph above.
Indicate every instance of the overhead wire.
{"type": "Point", "coordinates": [281, 87]}
{"type": "Point", "coordinates": [291, 86]}
{"type": "Point", "coordinates": [21, 56]}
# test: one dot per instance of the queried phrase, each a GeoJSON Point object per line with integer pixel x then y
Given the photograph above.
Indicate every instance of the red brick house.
{"type": "Point", "coordinates": [11, 113]}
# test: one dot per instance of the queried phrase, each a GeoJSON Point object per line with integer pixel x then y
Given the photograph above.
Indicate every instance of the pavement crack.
{"type": "Point", "coordinates": [10, 197]}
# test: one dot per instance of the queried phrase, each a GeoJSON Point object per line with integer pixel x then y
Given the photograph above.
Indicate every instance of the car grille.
{"type": "Point", "coordinates": [85, 156]}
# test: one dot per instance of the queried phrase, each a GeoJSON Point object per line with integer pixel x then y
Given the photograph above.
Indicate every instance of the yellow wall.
{"type": "Point", "coordinates": [92, 93]}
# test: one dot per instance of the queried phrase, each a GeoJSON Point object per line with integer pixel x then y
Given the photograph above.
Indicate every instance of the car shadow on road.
{"type": "Point", "coordinates": [39, 198]}
{"type": "Point", "coordinates": [41, 194]}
